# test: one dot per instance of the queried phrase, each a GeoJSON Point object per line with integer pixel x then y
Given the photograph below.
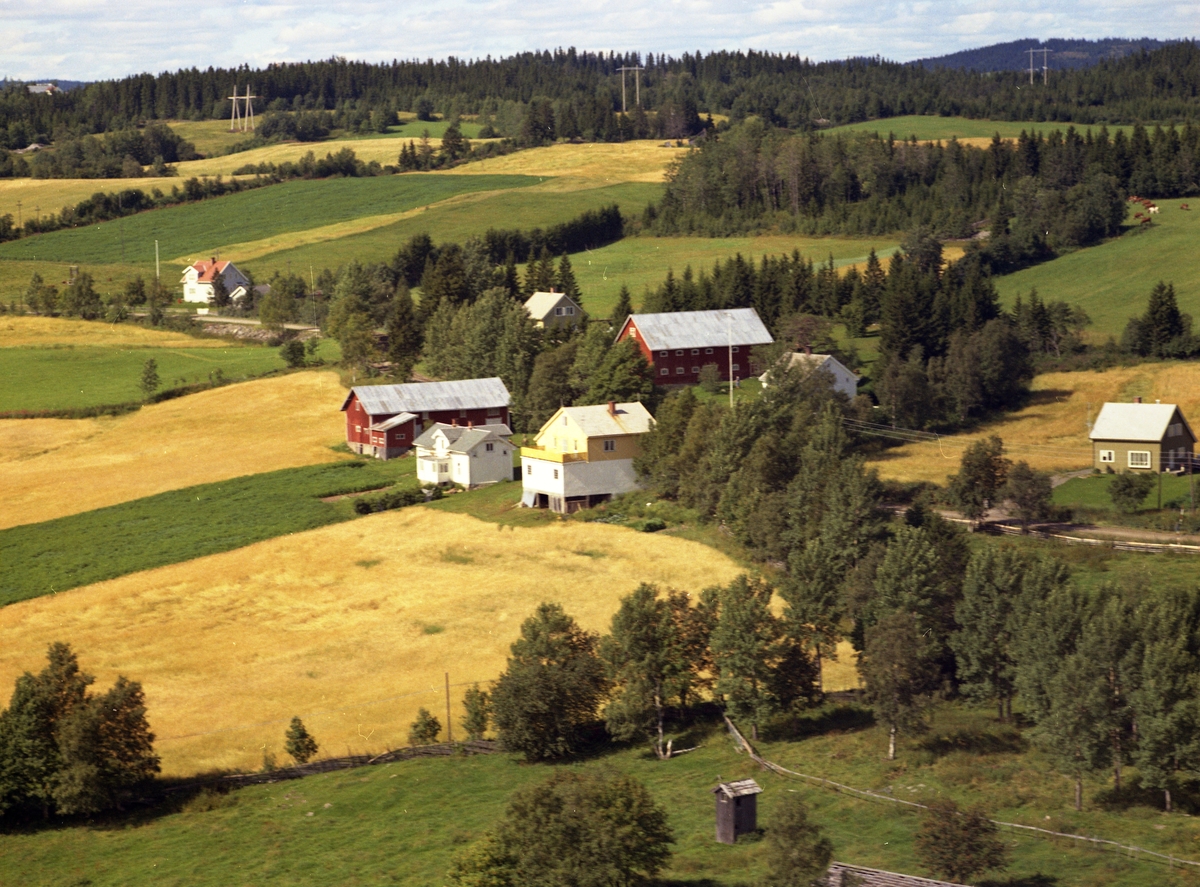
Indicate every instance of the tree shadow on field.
{"type": "Point", "coordinates": [827, 721]}
{"type": "Point", "coordinates": [1038, 880]}
{"type": "Point", "coordinates": [1000, 741]}
{"type": "Point", "coordinates": [1184, 799]}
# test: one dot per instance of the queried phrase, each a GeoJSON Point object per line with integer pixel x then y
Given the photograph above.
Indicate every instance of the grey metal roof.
{"type": "Point", "coordinates": [1144, 422]}
{"type": "Point", "coordinates": [461, 438]}
{"type": "Point", "coordinates": [739, 788]}
{"type": "Point", "coordinates": [418, 397]}
{"type": "Point", "coordinates": [866, 877]}
{"type": "Point", "coordinates": [813, 362]}
{"type": "Point", "coordinates": [597, 421]}
{"type": "Point", "coordinates": [700, 329]}
{"type": "Point", "coordinates": [389, 424]}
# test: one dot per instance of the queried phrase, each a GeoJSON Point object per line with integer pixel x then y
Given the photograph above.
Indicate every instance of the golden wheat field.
{"type": "Point", "coordinates": [27, 331]}
{"type": "Point", "coordinates": [384, 150]}
{"type": "Point", "coordinates": [1051, 433]}
{"type": "Point", "coordinates": [54, 467]}
{"type": "Point", "coordinates": [352, 626]}
{"type": "Point", "coordinates": [43, 197]}
{"type": "Point", "coordinates": [640, 161]}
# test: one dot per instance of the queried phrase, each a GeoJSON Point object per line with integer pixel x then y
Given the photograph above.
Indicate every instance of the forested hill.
{"type": "Point", "coordinates": [1063, 55]}
{"type": "Point", "coordinates": [1159, 86]}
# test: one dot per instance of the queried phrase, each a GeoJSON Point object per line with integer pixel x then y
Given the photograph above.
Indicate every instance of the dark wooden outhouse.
{"type": "Point", "coordinates": [737, 809]}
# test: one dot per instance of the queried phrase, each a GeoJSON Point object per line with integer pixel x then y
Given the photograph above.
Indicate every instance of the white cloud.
{"type": "Point", "coordinates": [94, 40]}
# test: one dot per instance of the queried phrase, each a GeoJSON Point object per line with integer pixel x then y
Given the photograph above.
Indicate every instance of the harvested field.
{"type": "Point", "coordinates": [50, 332]}
{"type": "Point", "coordinates": [640, 161]}
{"type": "Point", "coordinates": [352, 627]}
{"type": "Point", "coordinates": [74, 465]}
{"type": "Point", "coordinates": [43, 197]}
{"type": "Point", "coordinates": [1051, 432]}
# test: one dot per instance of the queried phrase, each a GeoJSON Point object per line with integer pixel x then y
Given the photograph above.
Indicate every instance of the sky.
{"type": "Point", "coordinates": [102, 39]}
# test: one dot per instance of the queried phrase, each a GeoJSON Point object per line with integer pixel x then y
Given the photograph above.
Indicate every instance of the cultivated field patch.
{"type": "Point", "coordinates": [1112, 281]}
{"type": "Point", "coordinates": [27, 331]}
{"type": "Point", "coordinates": [638, 161]}
{"type": "Point", "coordinates": [1051, 433]}
{"type": "Point", "coordinates": [43, 197]}
{"type": "Point", "coordinates": [934, 128]}
{"type": "Point", "coordinates": [333, 625]}
{"type": "Point", "coordinates": [194, 231]}
{"type": "Point", "coordinates": [250, 427]}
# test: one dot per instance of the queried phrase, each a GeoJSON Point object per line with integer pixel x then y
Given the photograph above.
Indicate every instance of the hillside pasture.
{"type": "Point", "coordinates": [599, 163]}
{"type": "Point", "coordinates": [640, 262]}
{"type": "Point", "coordinates": [928, 127]}
{"type": "Point", "coordinates": [456, 220]}
{"type": "Point", "coordinates": [194, 231]}
{"type": "Point", "coordinates": [73, 376]}
{"type": "Point", "coordinates": [352, 626]}
{"type": "Point", "coordinates": [1112, 281]}
{"type": "Point", "coordinates": [1051, 433]}
{"type": "Point", "coordinates": [263, 425]}
{"type": "Point", "coordinates": [43, 197]}
{"type": "Point", "coordinates": [28, 331]}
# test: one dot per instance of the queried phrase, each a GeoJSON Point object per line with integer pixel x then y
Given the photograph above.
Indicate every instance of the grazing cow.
{"type": "Point", "coordinates": [1183, 206]}
{"type": "Point", "coordinates": [1154, 209]}
{"type": "Point", "coordinates": [1147, 220]}
{"type": "Point", "coordinates": [1137, 215]}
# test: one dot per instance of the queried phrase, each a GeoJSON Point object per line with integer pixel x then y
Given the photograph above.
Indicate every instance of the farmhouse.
{"type": "Point", "coordinates": [384, 420]}
{"type": "Point", "coordinates": [473, 455]}
{"type": "Point", "coordinates": [583, 456]}
{"type": "Point", "coordinates": [678, 344]}
{"type": "Point", "coordinates": [552, 310]}
{"type": "Point", "coordinates": [198, 280]}
{"type": "Point", "coordinates": [843, 379]}
{"type": "Point", "coordinates": [1141, 437]}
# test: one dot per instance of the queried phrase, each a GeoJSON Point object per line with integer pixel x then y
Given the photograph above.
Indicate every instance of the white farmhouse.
{"type": "Point", "coordinates": [551, 310]}
{"type": "Point", "coordinates": [844, 380]}
{"type": "Point", "coordinates": [471, 456]}
{"type": "Point", "coordinates": [198, 280]}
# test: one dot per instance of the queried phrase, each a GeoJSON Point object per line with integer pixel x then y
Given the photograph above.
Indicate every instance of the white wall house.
{"type": "Point", "coordinates": [198, 280]}
{"type": "Point", "coordinates": [470, 456]}
{"type": "Point", "coordinates": [844, 380]}
{"type": "Point", "coordinates": [583, 456]}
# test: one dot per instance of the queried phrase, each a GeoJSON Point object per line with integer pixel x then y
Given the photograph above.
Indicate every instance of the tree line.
{"type": "Point", "coordinates": [782, 89]}
{"type": "Point", "coordinates": [1044, 192]}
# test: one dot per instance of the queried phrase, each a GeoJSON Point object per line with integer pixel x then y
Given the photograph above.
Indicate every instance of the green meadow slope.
{"type": "Point", "coordinates": [927, 127]}
{"type": "Point", "coordinates": [1112, 281]}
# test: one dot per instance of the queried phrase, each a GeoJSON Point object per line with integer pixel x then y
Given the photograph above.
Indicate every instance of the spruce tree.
{"type": "Point", "coordinates": [565, 279]}
{"type": "Point", "coordinates": [404, 334]}
{"type": "Point", "coordinates": [149, 382]}
{"type": "Point", "coordinates": [299, 743]}
{"type": "Point", "coordinates": [477, 705]}
{"type": "Point", "coordinates": [621, 310]}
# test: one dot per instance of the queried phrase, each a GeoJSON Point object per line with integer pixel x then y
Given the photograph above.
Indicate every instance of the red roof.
{"type": "Point", "coordinates": [206, 270]}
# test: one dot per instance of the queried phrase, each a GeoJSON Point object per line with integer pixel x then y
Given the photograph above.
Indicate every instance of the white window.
{"type": "Point", "coordinates": [556, 474]}
{"type": "Point", "coordinates": [695, 351]}
{"type": "Point", "coordinates": [735, 349]}
{"type": "Point", "coordinates": [708, 351]}
{"type": "Point", "coordinates": [489, 447]}
{"type": "Point", "coordinates": [569, 310]}
{"type": "Point", "coordinates": [528, 469]}
{"type": "Point", "coordinates": [493, 411]}
{"type": "Point", "coordinates": [462, 414]}
{"type": "Point", "coordinates": [633, 332]}
{"type": "Point", "coordinates": [737, 366]}
{"type": "Point", "coordinates": [679, 353]}
{"type": "Point", "coordinates": [565, 423]}
{"type": "Point", "coordinates": [679, 371]}
{"type": "Point", "coordinates": [695, 369]}
{"type": "Point", "coordinates": [664, 372]}
{"type": "Point", "coordinates": [662, 354]}
{"type": "Point", "coordinates": [610, 446]}
{"type": "Point", "coordinates": [1139, 458]}
{"type": "Point", "coordinates": [1107, 456]}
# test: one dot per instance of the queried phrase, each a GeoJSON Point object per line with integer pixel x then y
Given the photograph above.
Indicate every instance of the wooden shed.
{"type": "Point", "coordinates": [737, 809]}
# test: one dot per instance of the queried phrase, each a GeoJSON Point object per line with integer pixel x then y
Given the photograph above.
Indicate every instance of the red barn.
{"type": "Point", "coordinates": [384, 420]}
{"type": "Point", "coordinates": [678, 344]}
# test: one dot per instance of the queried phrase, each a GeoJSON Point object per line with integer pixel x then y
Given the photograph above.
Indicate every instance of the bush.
{"type": "Point", "coordinates": [292, 352]}
{"type": "Point", "coordinates": [299, 742]}
{"type": "Point", "coordinates": [958, 844]}
{"type": "Point", "coordinates": [425, 729]}
{"type": "Point", "coordinates": [710, 378]}
{"type": "Point", "coordinates": [1129, 491]}
{"type": "Point", "coordinates": [389, 500]}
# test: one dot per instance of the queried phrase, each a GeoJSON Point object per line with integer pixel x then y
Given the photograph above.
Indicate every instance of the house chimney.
{"type": "Point", "coordinates": [1137, 400]}
{"type": "Point", "coordinates": [612, 408]}
{"type": "Point", "coordinates": [453, 423]}
{"type": "Point", "coordinates": [470, 424]}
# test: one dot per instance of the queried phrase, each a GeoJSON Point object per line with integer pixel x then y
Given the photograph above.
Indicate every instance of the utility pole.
{"type": "Point", "coordinates": [449, 723]}
{"type": "Point", "coordinates": [156, 275]}
{"type": "Point", "coordinates": [729, 329]}
{"type": "Point", "coordinates": [637, 69]}
{"type": "Point", "coordinates": [1045, 67]}
{"type": "Point", "coordinates": [1031, 52]}
{"type": "Point", "coordinates": [18, 214]}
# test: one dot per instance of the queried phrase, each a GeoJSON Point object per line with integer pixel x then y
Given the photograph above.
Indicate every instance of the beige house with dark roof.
{"type": "Point", "coordinates": [1140, 436]}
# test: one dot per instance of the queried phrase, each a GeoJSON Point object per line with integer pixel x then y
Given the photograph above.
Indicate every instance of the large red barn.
{"type": "Point", "coordinates": [678, 344]}
{"type": "Point", "coordinates": [384, 420]}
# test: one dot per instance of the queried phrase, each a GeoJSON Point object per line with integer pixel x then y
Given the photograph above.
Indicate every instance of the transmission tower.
{"type": "Point", "coordinates": [637, 84]}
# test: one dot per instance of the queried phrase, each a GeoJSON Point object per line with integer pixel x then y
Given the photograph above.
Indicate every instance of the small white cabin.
{"type": "Point", "coordinates": [471, 456]}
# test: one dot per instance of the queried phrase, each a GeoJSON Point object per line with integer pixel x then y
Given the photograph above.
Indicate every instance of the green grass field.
{"type": "Point", "coordinates": [184, 524]}
{"type": "Point", "coordinates": [524, 208]}
{"type": "Point", "coordinates": [1112, 281]}
{"type": "Point", "coordinates": [201, 228]}
{"type": "Point", "coordinates": [639, 262]}
{"type": "Point", "coordinates": [405, 822]}
{"type": "Point", "coordinates": [1092, 493]}
{"type": "Point", "coordinates": [929, 127]}
{"type": "Point", "coordinates": [73, 376]}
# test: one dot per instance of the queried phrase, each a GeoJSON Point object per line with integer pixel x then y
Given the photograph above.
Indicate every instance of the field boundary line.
{"type": "Point", "coordinates": [744, 745]}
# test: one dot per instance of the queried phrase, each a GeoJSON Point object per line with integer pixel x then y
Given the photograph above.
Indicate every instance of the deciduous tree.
{"type": "Point", "coordinates": [958, 844]}
{"type": "Point", "coordinates": [425, 729]}
{"type": "Point", "coordinates": [299, 743]}
{"type": "Point", "coordinates": [796, 852]}
{"type": "Point", "coordinates": [897, 668]}
{"type": "Point", "coordinates": [477, 707]}
{"type": "Point", "coordinates": [980, 477]}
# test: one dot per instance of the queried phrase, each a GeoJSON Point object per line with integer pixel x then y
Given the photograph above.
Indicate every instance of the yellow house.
{"type": "Point", "coordinates": [583, 456]}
